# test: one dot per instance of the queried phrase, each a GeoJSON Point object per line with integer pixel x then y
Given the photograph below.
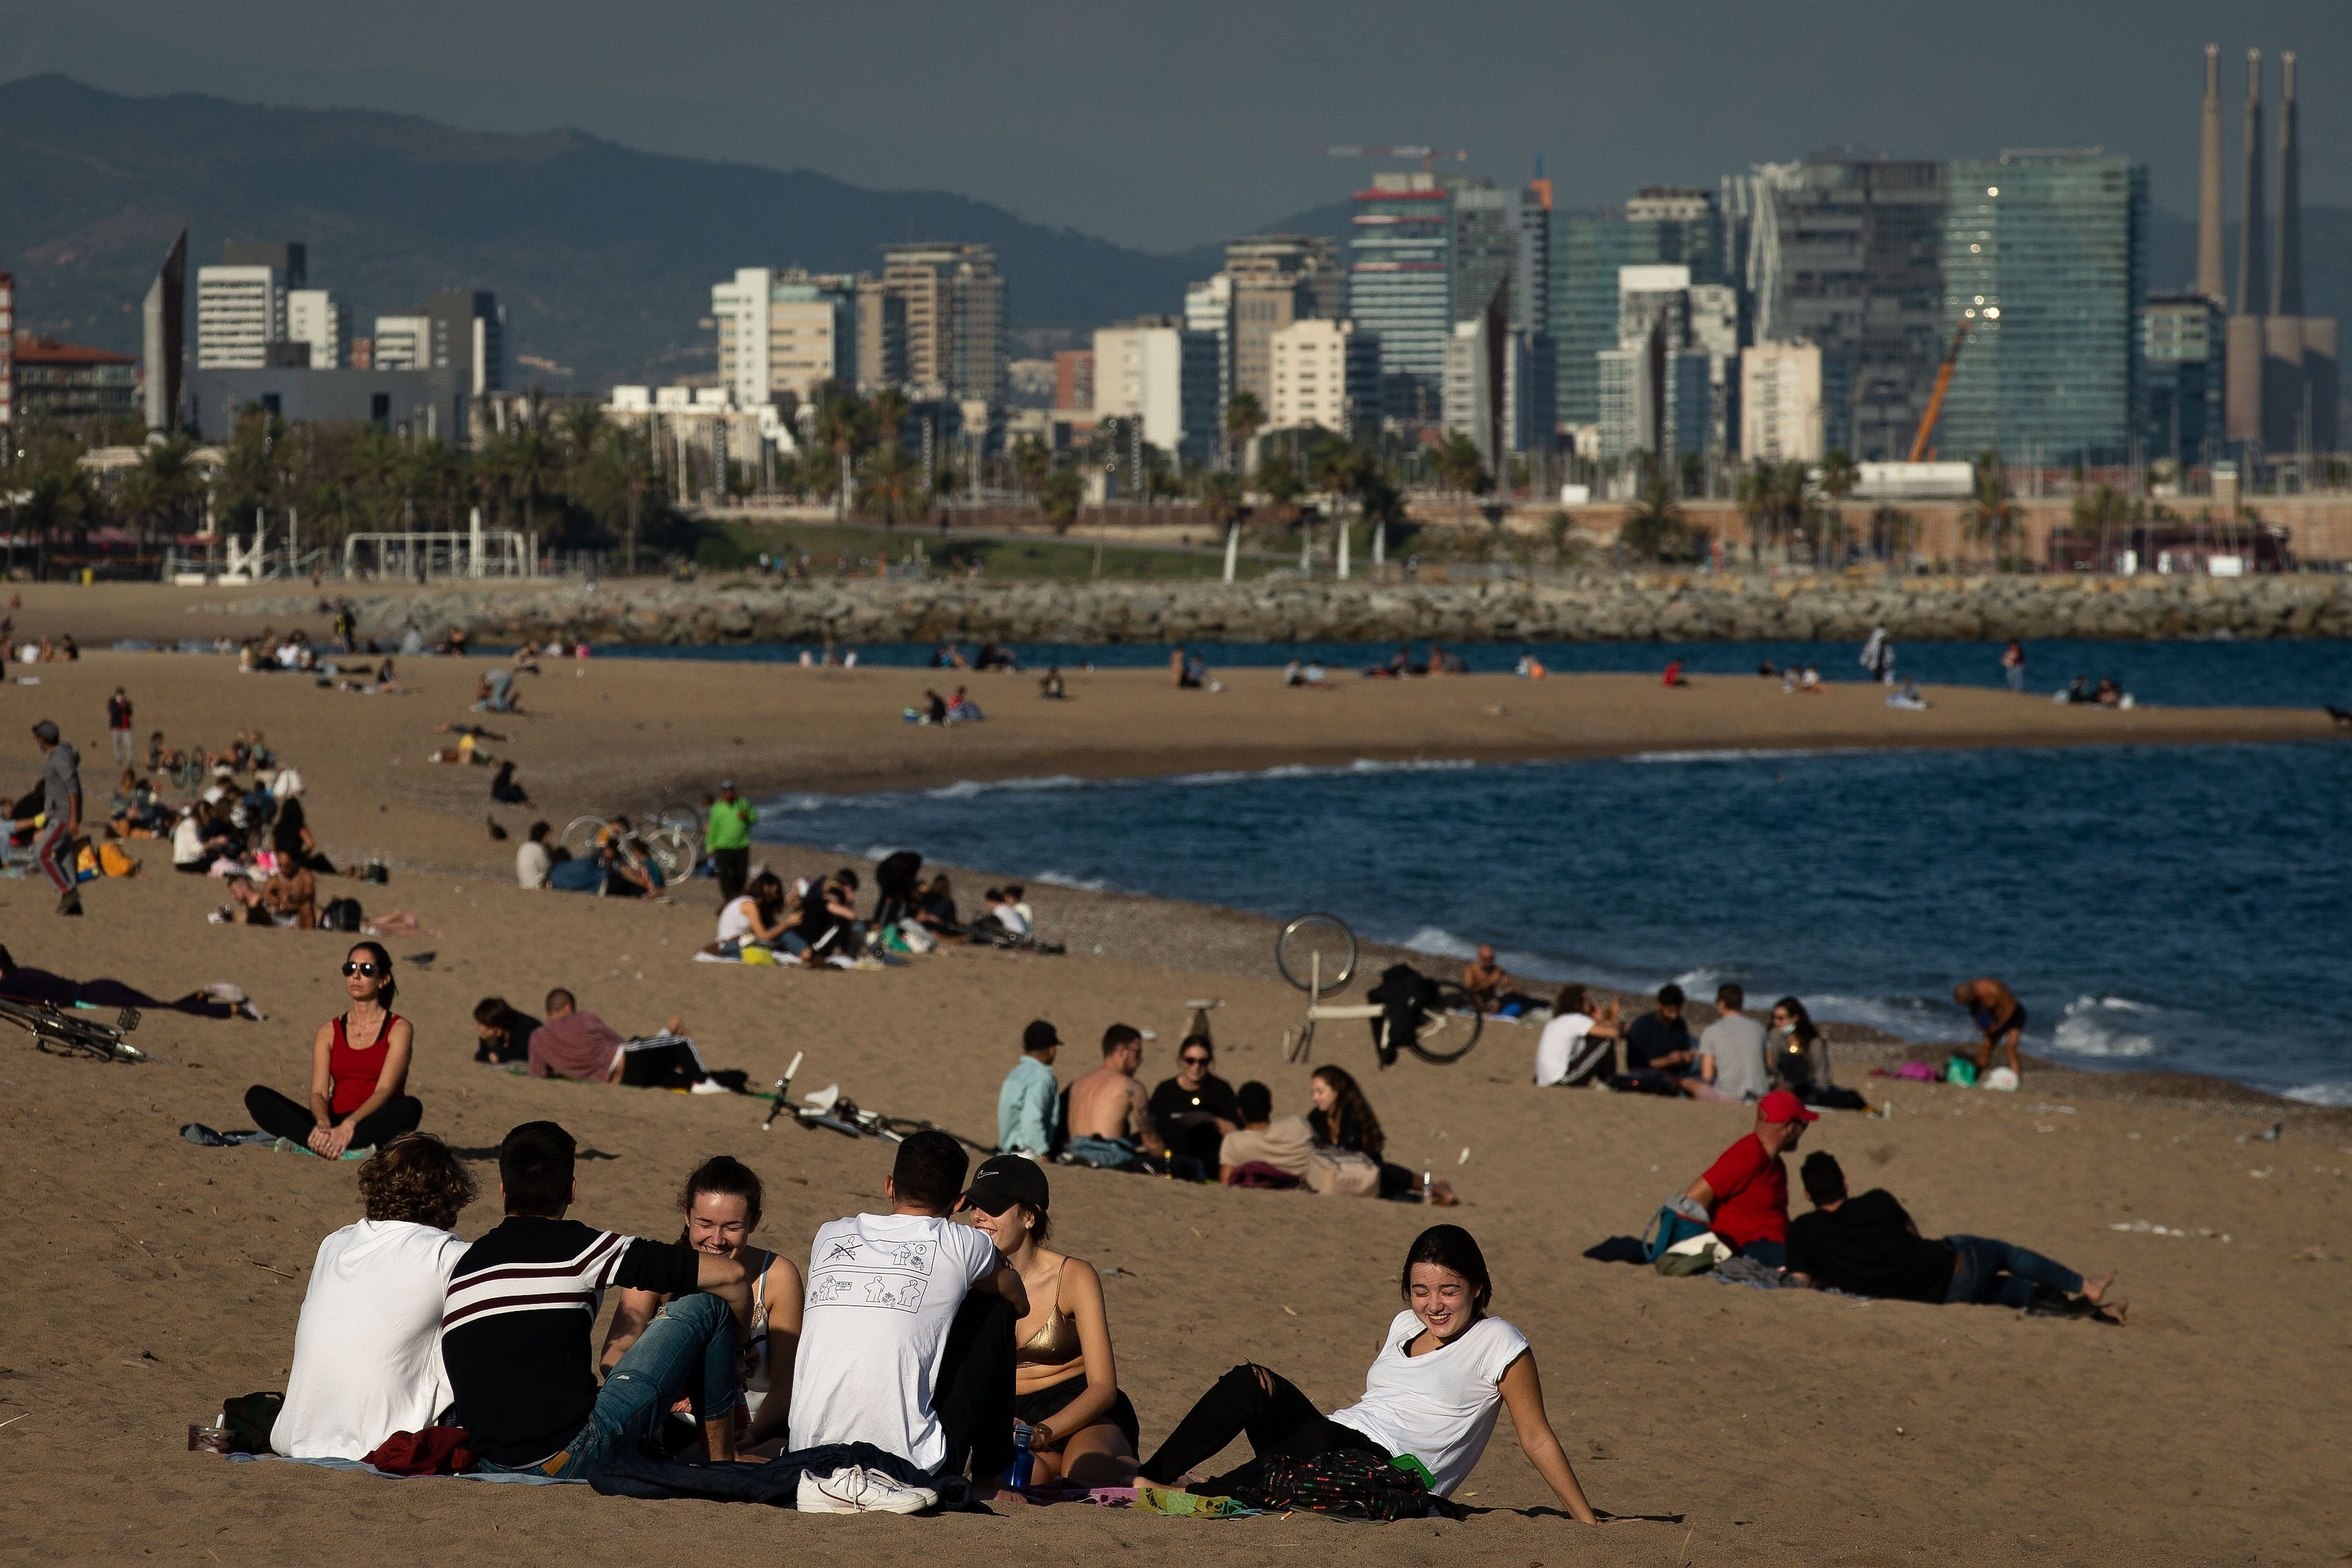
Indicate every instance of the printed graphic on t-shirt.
{"type": "Point", "coordinates": [855, 1272]}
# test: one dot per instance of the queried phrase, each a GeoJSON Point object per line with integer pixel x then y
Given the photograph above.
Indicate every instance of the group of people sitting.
{"type": "Point", "coordinates": [2107, 692]}
{"type": "Point", "coordinates": [616, 867]}
{"type": "Point", "coordinates": [815, 920]}
{"type": "Point", "coordinates": [1197, 1127]}
{"type": "Point", "coordinates": [1441, 660]}
{"type": "Point", "coordinates": [991, 655]}
{"type": "Point", "coordinates": [1735, 1057]}
{"type": "Point", "coordinates": [938, 709]}
{"type": "Point", "coordinates": [952, 1350]}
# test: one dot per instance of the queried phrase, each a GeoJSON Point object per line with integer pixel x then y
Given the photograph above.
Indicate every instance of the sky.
{"type": "Point", "coordinates": [1166, 125]}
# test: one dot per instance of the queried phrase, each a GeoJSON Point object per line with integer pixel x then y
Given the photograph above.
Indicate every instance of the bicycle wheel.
{"type": "Point", "coordinates": [1450, 1028]}
{"type": "Point", "coordinates": [580, 836]}
{"type": "Point", "coordinates": [674, 852]}
{"type": "Point", "coordinates": [1313, 938]}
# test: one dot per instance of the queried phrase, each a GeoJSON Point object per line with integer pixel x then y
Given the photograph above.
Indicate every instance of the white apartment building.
{"type": "Point", "coordinates": [403, 343]}
{"type": "Point", "coordinates": [1323, 372]}
{"type": "Point", "coordinates": [315, 317]}
{"type": "Point", "coordinates": [1780, 403]}
{"type": "Point", "coordinates": [789, 332]}
{"type": "Point", "coordinates": [240, 316]}
{"type": "Point", "coordinates": [1209, 308]}
{"type": "Point", "coordinates": [1166, 376]}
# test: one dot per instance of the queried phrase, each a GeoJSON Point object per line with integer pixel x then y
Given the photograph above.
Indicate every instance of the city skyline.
{"type": "Point", "coordinates": [1066, 120]}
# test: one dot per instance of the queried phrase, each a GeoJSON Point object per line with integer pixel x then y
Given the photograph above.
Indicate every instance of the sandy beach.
{"type": "Point", "coordinates": [1782, 1427]}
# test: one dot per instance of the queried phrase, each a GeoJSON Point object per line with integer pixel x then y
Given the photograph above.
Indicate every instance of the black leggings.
{"type": "Point", "coordinates": [674, 1066]}
{"type": "Point", "coordinates": [973, 1397]}
{"type": "Point", "coordinates": [1276, 1416]}
{"type": "Point", "coordinates": [275, 1114]}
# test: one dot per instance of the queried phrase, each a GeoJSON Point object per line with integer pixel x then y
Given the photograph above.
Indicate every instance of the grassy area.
{"type": "Point", "coordinates": [734, 543]}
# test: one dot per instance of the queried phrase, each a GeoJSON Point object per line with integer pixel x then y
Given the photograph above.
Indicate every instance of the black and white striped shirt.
{"type": "Point", "coordinates": [515, 1329]}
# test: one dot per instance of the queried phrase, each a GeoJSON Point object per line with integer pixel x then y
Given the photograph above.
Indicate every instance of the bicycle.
{"type": "Point", "coordinates": [1318, 953]}
{"type": "Point", "coordinates": [62, 1033]}
{"type": "Point", "coordinates": [836, 1113]}
{"type": "Point", "coordinates": [675, 850]}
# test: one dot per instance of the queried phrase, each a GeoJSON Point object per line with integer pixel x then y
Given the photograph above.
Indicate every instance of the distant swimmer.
{"type": "Point", "coordinates": [2000, 1018]}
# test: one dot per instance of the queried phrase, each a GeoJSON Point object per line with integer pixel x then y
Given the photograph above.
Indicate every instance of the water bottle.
{"type": "Point", "coordinates": [1023, 1459]}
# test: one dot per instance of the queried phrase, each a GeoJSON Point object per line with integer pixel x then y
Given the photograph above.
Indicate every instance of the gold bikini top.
{"type": "Point", "coordinates": [1056, 1342]}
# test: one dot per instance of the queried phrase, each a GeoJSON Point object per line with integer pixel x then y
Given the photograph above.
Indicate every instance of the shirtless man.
{"type": "Point", "coordinates": [1108, 1104]}
{"type": "Point", "coordinates": [1491, 986]}
{"type": "Point", "coordinates": [292, 890]}
{"type": "Point", "coordinates": [2000, 1018]}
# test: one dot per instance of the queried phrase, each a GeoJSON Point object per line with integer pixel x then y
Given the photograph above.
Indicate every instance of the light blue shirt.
{"type": "Point", "coordinates": [1024, 1107]}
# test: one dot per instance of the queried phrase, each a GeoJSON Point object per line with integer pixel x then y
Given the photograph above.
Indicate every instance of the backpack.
{"type": "Point", "coordinates": [1347, 1482]}
{"type": "Point", "coordinates": [1670, 1227]}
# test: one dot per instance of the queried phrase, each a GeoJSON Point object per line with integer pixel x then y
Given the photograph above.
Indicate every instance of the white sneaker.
{"type": "Point", "coordinates": [857, 1490]}
{"type": "Point", "coordinates": [708, 1086]}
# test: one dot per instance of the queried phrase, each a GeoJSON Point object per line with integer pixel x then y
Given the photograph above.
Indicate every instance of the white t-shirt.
{"type": "Point", "coordinates": [1009, 917]}
{"type": "Point", "coordinates": [533, 863]}
{"type": "Point", "coordinates": [1555, 1047]}
{"type": "Point", "coordinates": [735, 921]}
{"type": "Point", "coordinates": [287, 783]}
{"type": "Point", "coordinates": [1438, 1407]}
{"type": "Point", "coordinates": [187, 842]}
{"type": "Point", "coordinates": [367, 1349]}
{"type": "Point", "coordinates": [882, 1291]}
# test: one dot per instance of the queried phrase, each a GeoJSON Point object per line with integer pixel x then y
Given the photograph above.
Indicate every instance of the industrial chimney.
{"type": "Point", "coordinates": [2210, 280]}
{"type": "Point", "coordinates": [2286, 289]}
{"type": "Point", "coordinates": [2254, 269]}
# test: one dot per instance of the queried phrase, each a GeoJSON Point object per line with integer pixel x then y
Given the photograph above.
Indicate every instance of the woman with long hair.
{"type": "Point", "coordinates": [753, 919]}
{"type": "Point", "coordinates": [1445, 1366]}
{"type": "Point", "coordinates": [291, 837]}
{"type": "Point", "coordinates": [1342, 1118]}
{"type": "Point", "coordinates": [1082, 1426]}
{"type": "Point", "coordinates": [1799, 1054]}
{"type": "Point", "coordinates": [359, 1069]}
{"type": "Point", "coordinates": [721, 1209]}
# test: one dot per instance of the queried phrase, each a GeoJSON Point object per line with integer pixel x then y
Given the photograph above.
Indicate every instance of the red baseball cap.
{"type": "Point", "coordinates": [1782, 1106]}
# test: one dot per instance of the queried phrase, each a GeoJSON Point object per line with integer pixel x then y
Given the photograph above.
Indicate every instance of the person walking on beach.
{"type": "Point", "coordinates": [118, 728]}
{"type": "Point", "coordinates": [729, 834]}
{"type": "Point", "coordinates": [2000, 1018]}
{"type": "Point", "coordinates": [60, 815]}
{"type": "Point", "coordinates": [2012, 665]}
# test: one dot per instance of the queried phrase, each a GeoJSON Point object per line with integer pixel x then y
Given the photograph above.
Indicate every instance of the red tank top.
{"type": "Point", "coordinates": [353, 1070]}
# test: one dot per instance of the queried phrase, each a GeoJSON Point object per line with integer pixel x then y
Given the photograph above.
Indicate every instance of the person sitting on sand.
{"type": "Point", "coordinates": [1082, 1426]}
{"type": "Point", "coordinates": [1675, 676]}
{"type": "Point", "coordinates": [367, 1346]}
{"type": "Point", "coordinates": [291, 837]}
{"type": "Point", "coordinates": [359, 1069]}
{"type": "Point", "coordinates": [1796, 1050]}
{"type": "Point", "coordinates": [1731, 1049]}
{"type": "Point", "coordinates": [1025, 1103]}
{"type": "Point", "coordinates": [1195, 1110]}
{"type": "Point", "coordinates": [625, 873]}
{"type": "Point", "coordinates": [1658, 1051]}
{"type": "Point", "coordinates": [1343, 1120]}
{"type": "Point", "coordinates": [293, 891]}
{"type": "Point", "coordinates": [721, 1209]}
{"type": "Point", "coordinates": [1744, 1194]}
{"type": "Point", "coordinates": [2000, 1018]}
{"type": "Point", "coordinates": [1870, 1246]}
{"type": "Point", "coordinates": [503, 788]}
{"type": "Point", "coordinates": [756, 919]}
{"type": "Point", "coordinates": [502, 1036]}
{"type": "Point", "coordinates": [1050, 687]}
{"type": "Point", "coordinates": [523, 1300]}
{"type": "Point", "coordinates": [534, 860]}
{"type": "Point", "coordinates": [198, 840]}
{"type": "Point", "coordinates": [962, 709]}
{"type": "Point", "coordinates": [1493, 988]}
{"type": "Point", "coordinates": [1002, 923]}
{"type": "Point", "coordinates": [1111, 1116]}
{"type": "Point", "coordinates": [935, 909]}
{"type": "Point", "coordinates": [1567, 1053]}
{"type": "Point", "coordinates": [245, 905]}
{"type": "Point", "coordinates": [930, 1380]}
{"type": "Point", "coordinates": [828, 922]}
{"type": "Point", "coordinates": [584, 1048]}
{"type": "Point", "coordinates": [1445, 1367]}
{"type": "Point", "coordinates": [1285, 1143]}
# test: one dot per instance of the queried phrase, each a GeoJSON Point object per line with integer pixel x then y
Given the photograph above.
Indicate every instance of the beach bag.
{"type": "Point", "coordinates": [1692, 1255]}
{"type": "Point", "coordinates": [1343, 1174]}
{"type": "Point", "coordinates": [1959, 1069]}
{"type": "Point", "coordinates": [114, 862]}
{"type": "Point", "coordinates": [1671, 1228]}
{"type": "Point", "coordinates": [1347, 1482]}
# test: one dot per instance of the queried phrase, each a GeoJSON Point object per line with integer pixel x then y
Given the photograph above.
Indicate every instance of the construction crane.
{"type": "Point", "coordinates": [1428, 155]}
{"type": "Point", "coordinates": [1919, 447]}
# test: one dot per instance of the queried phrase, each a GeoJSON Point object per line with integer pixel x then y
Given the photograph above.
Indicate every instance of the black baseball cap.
{"type": "Point", "coordinates": [44, 731]}
{"type": "Point", "coordinates": [1003, 1180]}
{"type": "Point", "coordinates": [1039, 1036]}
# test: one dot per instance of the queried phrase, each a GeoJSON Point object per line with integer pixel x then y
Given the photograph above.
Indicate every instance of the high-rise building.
{"type": "Point", "coordinates": [2184, 355]}
{"type": "Point", "coordinates": [1325, 374]}
{"type": "Point", "coordinates": [1780, 403]}
{"type": "Point", "coordinates": [317, 322]}
{"type": "Point", "coordinates": [2044, 256]}
{"type": "Point", "coordinates": [1660, 225]}
{"type": "Point", "coordinates": [163, 323]}
{"type": "Point", "coordinates": [469, 331]}
{"type": "Point", "coordinates": [290, 256]}
{"type": "Point", "coordinates": [1074, 379]}
{"type": "Point", "coordinates": [1209, 308]}
{"type": "Point", "coordinates": [1668, 377]}
{"type": "Point", "coordinates": [1845, 251]}
{"type": "Point", "coordinates": [1531, 310]}
{"type": "Point", "coordinates": [1275, 279]}
{"type": "Point", "coordinates": [1399, 286]}
{"type": "Point", "coordinates": [881, 336]}
{"type": "Point", "coordinates": [402, 342]}
{"type": "Point", "coordinates": [240, 316]}
{"type": "Point", "coordinates": [954, 300]}
{"type": "Point", "coordinates": [785, 332]}
{"type": "Point", "coordinates": [1154, 369]}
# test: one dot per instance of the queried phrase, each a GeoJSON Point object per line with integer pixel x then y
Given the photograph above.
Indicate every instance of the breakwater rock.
{"type": "Point", "coordinates": [1656, 607]}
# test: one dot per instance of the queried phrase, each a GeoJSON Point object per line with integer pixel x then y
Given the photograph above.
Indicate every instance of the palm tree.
{"type": "Point", "coordinates": [1244, 418]}
{"type": "Point", "coordinates": [164, 488]}
{"type": "Point", "coordinates": [1031, 463]}
{"type": "Point", "coordinates": [840, 427]}
{"type": "Point", "coordinates": [2102, 510]}
{"type": "Point", "coordinates": [1461, 469]}
{"type": "Point", "coordinates": [532, 466]}
{"type": "Point", "coordinates": [891, 479]}
{"type": "Point", "coordinates": [1221, 497]}
{"type": "Point", "coordinates": [1760, 503]}
{"type": "Point", "coordinates": [1656, 530]}
{"type": "Point", "coordinates": [1058, 497]}
{"type": "Point", "coordinates": [1991, 514]}
{"type": "Point", "coordinates": [1838, 478]}
{"type": "Point", "coordinates": [1278, 481]}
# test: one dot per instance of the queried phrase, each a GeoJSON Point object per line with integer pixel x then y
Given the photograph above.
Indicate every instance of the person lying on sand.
{"type": "Point", "coordinates": [23, 984]}
{"type": "Point", "coordinates": [367, 1348]}
{"type": "Point", "coordinates": [931, 1380]}
{"type": "Point", "coordinates": [501, 1034]}
{"type": "Point", "coordinates": [2000, 1018]}
{"type": "Point", "coordinates": [1870, 1246]}
{"type": "Point", "coordinates": [1436, 1409]}
{"type": "Point", "coordinates": [521, 1306]}
{"type": "Point", "coordinates": [1110, 1117]}
{"type": "Point", "coordinates": [359, 1069]}
{"type": "Point", "coordinates": [1082, 1426]}
{"type": "Point", "coordinates": [584, 1048]}
{"type": "Point", "coordinates": [721, 1208]}
{"type": "Point", "coordinates": [1744, 1195]}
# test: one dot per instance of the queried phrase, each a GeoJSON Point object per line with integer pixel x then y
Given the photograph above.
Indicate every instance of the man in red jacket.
{"type": "Point", "coordinates": [1746, 1191]}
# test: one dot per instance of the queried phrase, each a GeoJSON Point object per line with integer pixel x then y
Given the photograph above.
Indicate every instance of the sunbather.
{"type": "Point", "coordinates": [358, 1093]}
{"type": "Point", "coordinates": [581, 1046]}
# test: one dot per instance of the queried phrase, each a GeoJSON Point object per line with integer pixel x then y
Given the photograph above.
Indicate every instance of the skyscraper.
{"type": "Point", "coordinates": [1272, 280]}
{"type": "Point", "coordinates": [8, 368]}
{"type": "Point", "coordinates": [163, 317]}
{"type": "Point", "coordinates": [1662, 225]}
{"type": "Point", "coordinates": [954, 300]}
{"type": "Point", "coordinates": [784, 333]}
{"type": "Point", "coordinates": [1399, 286]}
{"type": "Point", "coordinates": [240, 316]}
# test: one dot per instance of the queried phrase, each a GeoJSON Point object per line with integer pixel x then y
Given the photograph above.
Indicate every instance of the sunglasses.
{"type": "Point", "coordinates": [370, 970]}
{"type": "Point", "coordinates": [1195, 1061]}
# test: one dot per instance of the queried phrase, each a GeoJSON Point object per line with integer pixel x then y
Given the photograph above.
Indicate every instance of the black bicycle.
{"type": "Point", "coordinates": [73, 1032]}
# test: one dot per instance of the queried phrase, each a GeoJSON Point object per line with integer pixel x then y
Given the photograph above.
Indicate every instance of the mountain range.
{"type": "Point", "coordinates": [603, 255]}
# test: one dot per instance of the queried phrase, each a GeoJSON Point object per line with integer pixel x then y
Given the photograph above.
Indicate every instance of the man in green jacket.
{"type": "Point", "coordinates": [729, 837]}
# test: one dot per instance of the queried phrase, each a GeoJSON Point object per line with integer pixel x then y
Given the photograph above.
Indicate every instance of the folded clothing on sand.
{"type": "Point", "coordinates": [646, 1473]}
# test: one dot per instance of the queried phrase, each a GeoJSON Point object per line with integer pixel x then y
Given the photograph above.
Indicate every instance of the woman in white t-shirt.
{"type": "Point", "coordinates": [367, 1348]}
{"type": "Point", "coordinates": [1565, 1052]}
{"type": "Point", "coordinates": [754, 919]}
{"type": "Point", "coordinates": [1443, 1370]}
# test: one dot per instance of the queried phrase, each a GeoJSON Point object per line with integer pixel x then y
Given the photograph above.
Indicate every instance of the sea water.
{"type": "Point", "coordinates": [2182, 907]}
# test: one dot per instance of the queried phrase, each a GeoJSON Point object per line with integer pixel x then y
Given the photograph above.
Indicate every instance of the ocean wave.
{"type": "Point", "coordinates": [1079, 884]}
{"type": "Point", "coordinates": [2339, 1093]}
{"type": "Point", "coordinates": [1904, 1018]}
{"type": "Point", "coordinates": [1726, 754]}
{"type": "Point", "coordinates": [2096, 1026]}
{"type": "Point", "coordinates": [967, 789]}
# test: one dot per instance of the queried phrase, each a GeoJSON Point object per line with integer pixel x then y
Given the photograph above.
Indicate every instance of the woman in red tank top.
{"type": "Point", "coordinates": [358, 1070]}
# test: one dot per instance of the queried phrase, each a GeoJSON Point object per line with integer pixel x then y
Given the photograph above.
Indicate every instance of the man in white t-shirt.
{"type": "Point", "coordinates": [534, 860]}
{"type": "Point", "coordinates": [1578, 1044]}
{"type": "Point", "coordinates": [907, 1327]}
{"type": "Point", "coordinates": [1731, 1051]}
{"type": "Point", "coordinates": [367, 1348]}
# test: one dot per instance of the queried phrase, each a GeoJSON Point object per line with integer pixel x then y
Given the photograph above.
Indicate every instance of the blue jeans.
{"type": "Point", "coordinates": [687, 1349]}
{"type": "Point", "coordinates": [1771, 1254]}
{"type": "Point", "coordinates": [1995, 1273]}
